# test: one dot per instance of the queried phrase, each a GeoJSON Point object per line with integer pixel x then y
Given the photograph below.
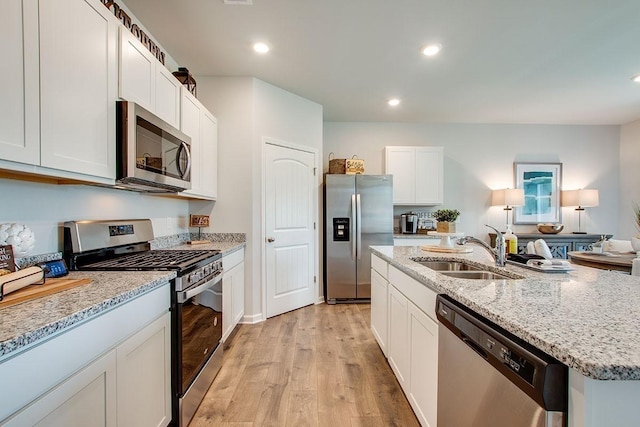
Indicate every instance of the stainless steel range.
{"type": "Point", "coordinates": [196, 301]}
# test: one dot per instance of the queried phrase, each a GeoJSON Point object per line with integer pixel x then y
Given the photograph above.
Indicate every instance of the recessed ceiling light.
{"type": "Point", "coordinates": [393, 102]}
{"type": "Point", "coordinates": [261, 47]}
{"type": "Point", "coordinates": [431, 50]}
{"type": "Point", "coordinates": [636, 78]}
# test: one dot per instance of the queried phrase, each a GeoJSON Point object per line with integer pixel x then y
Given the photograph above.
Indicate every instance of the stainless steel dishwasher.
{"type": "Point", "coordinates": [489, 378]}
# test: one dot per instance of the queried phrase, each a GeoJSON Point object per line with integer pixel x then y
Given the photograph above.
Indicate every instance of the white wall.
{"type": "Point", "coordinates": [479, 158]}
{"type": "Point", "coordinates": [629, 178]}
{"type": "Point", "coordinates": [249, 110]}
{"type": "Point", "coordinates": [44, 207]}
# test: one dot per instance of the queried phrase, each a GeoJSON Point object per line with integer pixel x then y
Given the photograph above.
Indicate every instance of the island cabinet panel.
{"type": "Point", "coordinates": [403, 311]}
{"type": "Point", "coordinates": [379, 307]}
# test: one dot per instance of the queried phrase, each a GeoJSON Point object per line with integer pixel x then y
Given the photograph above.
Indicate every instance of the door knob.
{"type": "Point", "coordinates": [271, 239]}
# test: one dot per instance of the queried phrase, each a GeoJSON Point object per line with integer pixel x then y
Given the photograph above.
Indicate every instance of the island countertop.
{"type": "Point", "coordinates": [586, 318]}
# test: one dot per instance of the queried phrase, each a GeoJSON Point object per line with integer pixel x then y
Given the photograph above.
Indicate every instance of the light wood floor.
{"type": "Point", "coordinates": [316, 366]}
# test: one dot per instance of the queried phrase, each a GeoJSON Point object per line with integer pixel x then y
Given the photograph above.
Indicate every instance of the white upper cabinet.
{"type": "Point", "coordinates": [78, 86]}
{"type": "Point", "coordinates": [145, 81]}
{"type": "Point", "coordinates": [19, 109]}
{"type": "Point", "coordinates": [418, 174]}
{"type": "Point", "coordinates": [57, 115]}
{"type": "Point", "coordinates": [202, 127]}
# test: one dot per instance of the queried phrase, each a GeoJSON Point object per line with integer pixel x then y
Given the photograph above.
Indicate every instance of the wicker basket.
{"type": "Point", "coordinates": [352, 166]}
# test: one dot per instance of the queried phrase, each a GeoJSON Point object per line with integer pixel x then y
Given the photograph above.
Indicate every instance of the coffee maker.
{"type": "Point", "coordinates": [409, 223]}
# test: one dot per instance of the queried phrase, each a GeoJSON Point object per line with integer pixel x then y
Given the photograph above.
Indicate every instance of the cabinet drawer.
{"type": "Point", "coordinates": [233, 259]}
{"type": "Point", "coordinates": [422, 296]}
{"type": "Point", "coordinates": [380, 266]}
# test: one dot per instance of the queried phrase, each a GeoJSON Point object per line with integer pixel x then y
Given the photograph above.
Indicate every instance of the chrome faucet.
{"type": "Point", "coordinates": [498, 254]}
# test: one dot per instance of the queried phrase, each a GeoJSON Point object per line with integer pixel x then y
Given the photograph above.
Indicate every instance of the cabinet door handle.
{"type": "Point", "coordinates": [270, 239]}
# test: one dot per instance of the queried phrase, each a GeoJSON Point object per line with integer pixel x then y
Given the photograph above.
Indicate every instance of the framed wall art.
{"type": "Point", "coordinates": [541, 183]}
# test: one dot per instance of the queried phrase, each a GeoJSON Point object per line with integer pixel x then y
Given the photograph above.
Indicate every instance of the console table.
{"type": "Point", "coordinates": [559, 244]}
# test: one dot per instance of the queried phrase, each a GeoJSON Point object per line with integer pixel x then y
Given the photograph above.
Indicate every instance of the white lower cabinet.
{"type": "Point", "coordinates": [87, 399]}
{"type": "Point", "coordinates": [411, 336]}
{"type": "Point", "coordinates": [398, 351]}
{"type": "Point", "coordinates": [144, 376]}
{"type": "Point", "coordinates": [379, 305]}
{"type": "Point", "coordinates": [232, 291]}
{"type": "Point", "coordinates": [114, 370]}
{"type": "Point", "coordinates": [423, 365]}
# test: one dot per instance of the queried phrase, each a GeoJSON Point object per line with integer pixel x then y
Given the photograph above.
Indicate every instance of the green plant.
{"type": "Point", "coordinates": [446, 215]}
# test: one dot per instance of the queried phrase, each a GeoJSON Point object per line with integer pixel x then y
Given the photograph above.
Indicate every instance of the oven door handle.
{"type": "Point", "coordinates": [190, 293]}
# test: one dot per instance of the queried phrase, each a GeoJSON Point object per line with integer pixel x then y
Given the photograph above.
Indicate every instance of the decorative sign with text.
{"type": "Point", "coordinates": [7, 264]}
{"type": "Point", "coordinates": [135, 29]}
{"type": "Point", "coordinates": [198, 220]}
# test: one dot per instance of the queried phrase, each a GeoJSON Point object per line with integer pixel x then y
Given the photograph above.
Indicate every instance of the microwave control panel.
{"type": "Point", "coordinates": [341, 229]}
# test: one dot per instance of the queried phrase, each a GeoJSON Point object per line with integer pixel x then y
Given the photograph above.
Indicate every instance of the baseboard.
{"type": "Point", "coordinates": [251, 320]}
{"type": "Point", "coordinates": [320, 300]}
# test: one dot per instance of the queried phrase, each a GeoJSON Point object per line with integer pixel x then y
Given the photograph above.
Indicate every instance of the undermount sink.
{"type": "Point", "coordinates": [448, 266]}
{"type": "Point", "coordinates": [478, 274]}
{"type": "Point", "coordinates": [462, 270]}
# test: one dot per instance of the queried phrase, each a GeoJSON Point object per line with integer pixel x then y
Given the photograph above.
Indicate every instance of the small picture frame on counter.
{"type": "Point", "coordinates": [7, 262]}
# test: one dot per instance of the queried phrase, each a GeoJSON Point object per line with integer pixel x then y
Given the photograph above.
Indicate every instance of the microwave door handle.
{"type": "Point", "coordinates": [183, 147]}
{"type": "Point", "coordinates": [190, 293]}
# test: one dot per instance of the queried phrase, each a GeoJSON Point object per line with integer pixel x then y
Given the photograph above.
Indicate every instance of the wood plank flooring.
{"type": "Point", "coordinates": [316, 366]}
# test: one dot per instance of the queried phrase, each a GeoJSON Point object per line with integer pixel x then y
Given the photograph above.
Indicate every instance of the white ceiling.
{"type": "Point", "coordinates": [503, 61]}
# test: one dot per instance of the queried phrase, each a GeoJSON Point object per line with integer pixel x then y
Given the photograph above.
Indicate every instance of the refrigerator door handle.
{"type": "Point", "coordinates": [353, 226]}
{"type": "Point", "coordinates": [359, 227]}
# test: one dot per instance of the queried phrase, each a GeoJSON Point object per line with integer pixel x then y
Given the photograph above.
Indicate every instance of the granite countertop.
{"type": "Point", "coordinates": [413, 236]}
{"type": "Point", "coordinates": [225, 248]}
{"type": "Point", "coordinates": [586, 318]}
{"type": "Point", "coordinates": [23, 324]}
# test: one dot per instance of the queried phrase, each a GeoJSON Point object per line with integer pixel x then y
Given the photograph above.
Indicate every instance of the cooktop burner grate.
{"type": "Point", "coordinates": [156, 259]}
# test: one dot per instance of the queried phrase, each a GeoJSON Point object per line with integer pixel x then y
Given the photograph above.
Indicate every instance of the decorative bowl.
{"type": "Point", "coordinates": [550, 228]}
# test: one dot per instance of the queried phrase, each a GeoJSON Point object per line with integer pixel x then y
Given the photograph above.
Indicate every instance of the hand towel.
{"type": "Point", "coordinates": [531, 249]}
{"type": "Point", "coordinates": [542, 248]}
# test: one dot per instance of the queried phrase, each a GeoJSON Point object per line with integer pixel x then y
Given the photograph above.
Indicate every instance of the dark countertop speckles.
{"type": "Point", "coordinates": [586, 318]}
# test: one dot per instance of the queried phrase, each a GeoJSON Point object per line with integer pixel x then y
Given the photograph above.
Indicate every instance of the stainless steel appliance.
{"type": "Point", "coordinates": [409, 223]}
{"type": "Point", "coordinates": [152, 155]}
{"type": "Point", "coordinates": [490, 378]}
{"type": "Point", "coordinates": [196, 300]}
{"type": "Point", "coordinates": [358, 213]}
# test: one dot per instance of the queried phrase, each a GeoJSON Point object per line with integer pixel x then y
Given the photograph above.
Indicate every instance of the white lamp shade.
{"type": "Point", "coordinates": [584, 198]}
{"type": "Point", "coordinates": [507, 197]}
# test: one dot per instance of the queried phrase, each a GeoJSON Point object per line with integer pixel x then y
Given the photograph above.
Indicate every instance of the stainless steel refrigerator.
{"type": "Point", "coordinates": [358, 213]}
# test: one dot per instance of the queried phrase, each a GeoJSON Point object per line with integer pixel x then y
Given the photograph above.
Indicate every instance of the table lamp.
{"type": "Point", "coordinates": [583, 198]}
{"type": "Point", "coordinates": [508, 197]}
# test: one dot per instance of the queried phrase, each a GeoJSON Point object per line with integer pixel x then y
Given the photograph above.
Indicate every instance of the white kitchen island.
{"type": "Point", "coordinates": [585, 318]}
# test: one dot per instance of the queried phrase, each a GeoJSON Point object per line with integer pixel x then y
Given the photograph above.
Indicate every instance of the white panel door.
{"type": "Point", "coordinates": [19, 103]}
{"type": "Point", "coordinates": [290, 213]}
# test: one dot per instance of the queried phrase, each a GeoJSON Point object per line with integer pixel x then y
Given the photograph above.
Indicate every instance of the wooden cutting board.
{"type": "Point", "coordinates": [51, 286]}
{"type": "Point", "coordinates": [437, 248]}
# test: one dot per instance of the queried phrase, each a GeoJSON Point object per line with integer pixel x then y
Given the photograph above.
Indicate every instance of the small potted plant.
{"type": "Point", "coordinates": [446, 220]}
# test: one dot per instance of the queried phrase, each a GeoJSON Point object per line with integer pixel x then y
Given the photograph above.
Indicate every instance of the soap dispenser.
{"type": "Point", "coordinates": [511, 242]}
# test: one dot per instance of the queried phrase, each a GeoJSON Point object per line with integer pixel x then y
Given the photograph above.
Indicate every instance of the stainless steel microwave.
{"type": "Point", "coordinates": [152, 155]}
